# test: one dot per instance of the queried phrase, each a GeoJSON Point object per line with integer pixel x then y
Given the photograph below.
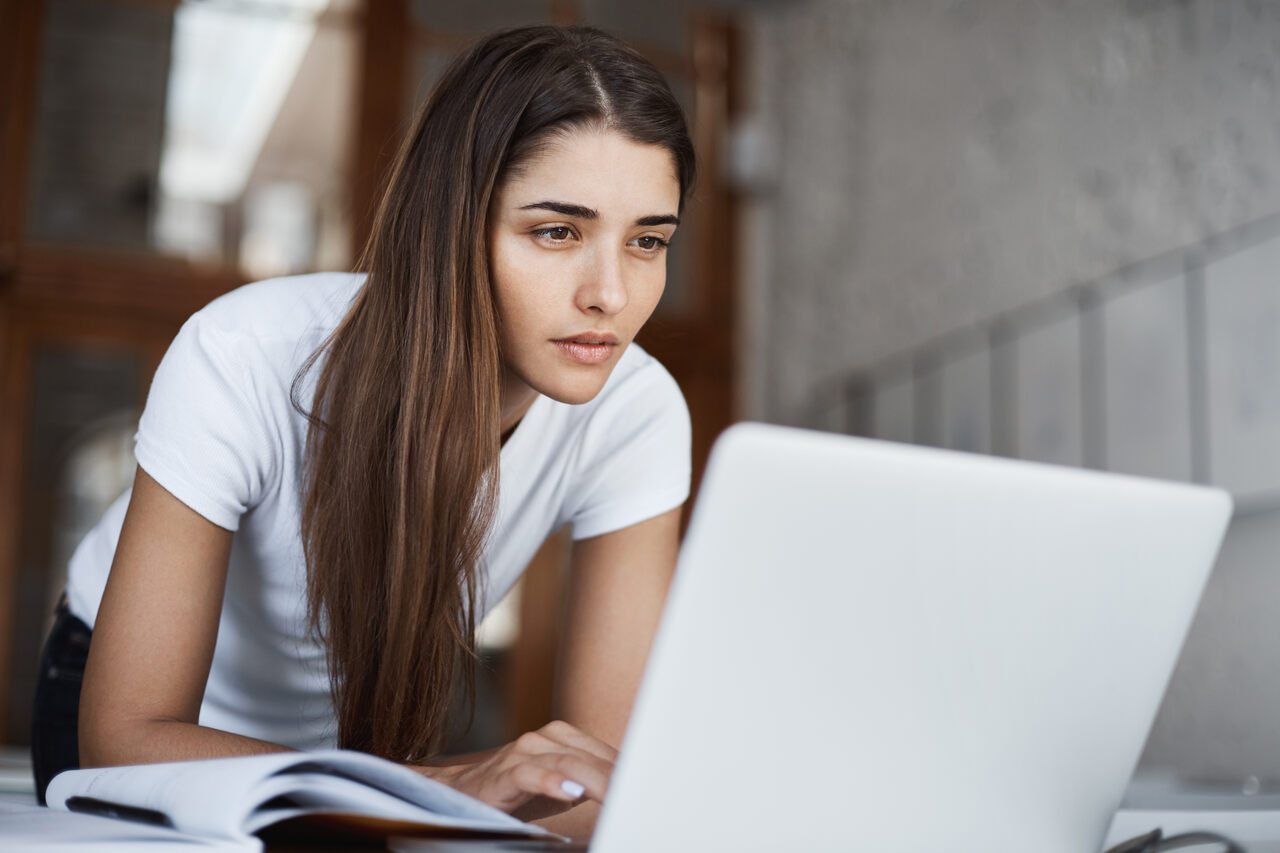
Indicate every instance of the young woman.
{"type": "Point", "coordinates": [340, 474]}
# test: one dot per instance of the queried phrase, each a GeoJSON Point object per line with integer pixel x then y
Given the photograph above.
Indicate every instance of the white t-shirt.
{"type": "Point", "coordinates": [220, 433]}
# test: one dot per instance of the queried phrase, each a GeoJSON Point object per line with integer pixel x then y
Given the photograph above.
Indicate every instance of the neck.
{"type": "Point", "coordinates": [517, 397]}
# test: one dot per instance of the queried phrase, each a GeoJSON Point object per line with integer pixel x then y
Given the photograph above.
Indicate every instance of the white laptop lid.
{"type": "Point", "coordinates": [873, 646]}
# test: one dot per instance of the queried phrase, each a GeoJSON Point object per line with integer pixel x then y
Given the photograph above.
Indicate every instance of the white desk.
{"type": "Point", "coordinates": [1253, 821]}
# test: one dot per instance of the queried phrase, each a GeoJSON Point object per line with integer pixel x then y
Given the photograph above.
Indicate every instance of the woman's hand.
{"type": "Point", "coordinates": [539, 774]}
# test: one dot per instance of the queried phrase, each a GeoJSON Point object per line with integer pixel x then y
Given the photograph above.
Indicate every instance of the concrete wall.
{"type": "Point", "coordinates": [934, 163]}
{"type": "Point", "coordinates": [1219, 719]}
{"type": "Point", "coordinates": [916, 167]}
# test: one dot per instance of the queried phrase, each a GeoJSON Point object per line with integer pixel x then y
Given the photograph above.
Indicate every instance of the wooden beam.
{"type": "Point", "coordinates": [19, 60]}
{"type": "Point", "coordinates": [13, 406]}
{"type": "Point", "coordinates": [123, 282]}
{"type": "Point", "coordinates": [380, 94]}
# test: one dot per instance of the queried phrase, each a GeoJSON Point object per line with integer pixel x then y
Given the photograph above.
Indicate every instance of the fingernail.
{"type": "Point", "coordinates": [572, 788]}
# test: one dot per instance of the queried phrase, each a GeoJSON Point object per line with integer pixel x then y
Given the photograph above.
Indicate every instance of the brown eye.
{"type": "Point", "coordinates": [556, 233]}
{"type": "Point", "coordinates": [650, 243]}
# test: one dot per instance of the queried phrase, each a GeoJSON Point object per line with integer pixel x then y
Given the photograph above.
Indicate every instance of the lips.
{"type": "Point", "coordinates": [588, 347]}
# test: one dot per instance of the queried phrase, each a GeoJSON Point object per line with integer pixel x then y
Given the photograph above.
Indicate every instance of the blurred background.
{"type": "Point", "coordinates": [1047, 229]}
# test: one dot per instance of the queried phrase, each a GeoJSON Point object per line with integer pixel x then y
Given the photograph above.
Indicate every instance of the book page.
{"type": "Point", "coordinates": [291, 795]}
{"type": "Point", "coordinates": [35, 828]}
{"type": "Point", "coordinates": [224, 797]}
{"type": "Point", "coordinates": [209, 798]}
{"type": "Point", "coordinates": [435, 797]}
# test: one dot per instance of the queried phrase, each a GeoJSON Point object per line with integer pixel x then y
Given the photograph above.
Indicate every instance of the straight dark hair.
{"type": "Point", "coordinates": [402, 450]}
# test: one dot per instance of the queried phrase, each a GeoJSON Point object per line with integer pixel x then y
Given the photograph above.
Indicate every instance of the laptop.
{"type": "Point", "coordinates": [875, 646]}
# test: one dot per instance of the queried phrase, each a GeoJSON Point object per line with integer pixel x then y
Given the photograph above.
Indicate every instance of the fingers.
{"type": "Point", "coordinates": [558, 764]}
{"type": "Point", "coordinates": [567, 735]}
{"type": "Point", "coordinates": [587, 766]}
{"type": "Point", "coordinates": [566, 778]}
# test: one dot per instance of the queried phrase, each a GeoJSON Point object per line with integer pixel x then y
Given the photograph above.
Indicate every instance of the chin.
{"type": "Point", "coordinates": [573, 390]}
{"type": "Point", "coordinates": [573, 395]}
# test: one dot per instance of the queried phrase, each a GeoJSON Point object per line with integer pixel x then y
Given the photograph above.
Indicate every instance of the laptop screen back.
{"type": "Point", "coordinates": [883, 647]}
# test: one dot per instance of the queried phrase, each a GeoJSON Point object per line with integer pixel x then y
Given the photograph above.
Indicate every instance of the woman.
{"type": "Point", "coordinates": [390, 451]}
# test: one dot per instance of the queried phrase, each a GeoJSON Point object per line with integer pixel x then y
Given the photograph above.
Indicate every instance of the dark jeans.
{"type": "Point", "coordinates": [55, 744]}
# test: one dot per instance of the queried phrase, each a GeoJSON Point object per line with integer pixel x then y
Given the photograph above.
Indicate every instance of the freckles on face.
{"type": "Point", "coordinates": [577, 252]}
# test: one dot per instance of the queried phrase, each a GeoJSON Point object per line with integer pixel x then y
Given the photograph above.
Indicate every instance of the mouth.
{"type": "Point", "coordinates": [589, 347]}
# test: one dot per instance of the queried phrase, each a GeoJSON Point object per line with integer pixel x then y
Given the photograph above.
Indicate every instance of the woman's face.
{"type": "Point", "coordinates": [577, 251]}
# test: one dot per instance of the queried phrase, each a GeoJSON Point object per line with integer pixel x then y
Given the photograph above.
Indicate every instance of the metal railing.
{"type": "Point", "coordinates": [1167, 367]}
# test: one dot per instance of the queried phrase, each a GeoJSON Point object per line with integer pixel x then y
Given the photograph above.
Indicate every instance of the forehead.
{"type": "Point", "coordinates": [600, 169]}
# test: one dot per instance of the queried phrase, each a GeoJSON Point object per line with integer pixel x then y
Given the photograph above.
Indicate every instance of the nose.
{"type": "Point", "coordinates": [603, 289]}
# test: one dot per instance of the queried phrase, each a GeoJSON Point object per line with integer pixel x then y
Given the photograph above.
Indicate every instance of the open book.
{"type": "Point", "coordinates": [230, 800]}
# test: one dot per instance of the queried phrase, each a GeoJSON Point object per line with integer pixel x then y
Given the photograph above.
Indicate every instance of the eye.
{"type": "Point", "coordinates": [554, 234]}
{"type": "Point", "coordinates": [651, 243]}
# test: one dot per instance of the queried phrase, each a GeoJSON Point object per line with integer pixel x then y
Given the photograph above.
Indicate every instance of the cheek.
{"type": "Point", "coordinates": [517, 316]}
{"type": "Point", "coordinates": [527, 317]}
{"type": "Point", "coordinates": [517, 290]}
{"type": "Point", "coordinates": [526, 297]}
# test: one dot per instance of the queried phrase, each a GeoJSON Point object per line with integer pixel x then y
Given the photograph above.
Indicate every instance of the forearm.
{"type": "Point", "coordinates": [154, 740]}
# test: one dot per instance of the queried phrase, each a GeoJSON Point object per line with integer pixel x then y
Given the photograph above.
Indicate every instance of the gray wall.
{"type": "Point", "coordinates": [1219, 722]}
{"type": "Point", "coordinates": [916, 167]}
{"type": "Point", "coordinates": [934, 163]}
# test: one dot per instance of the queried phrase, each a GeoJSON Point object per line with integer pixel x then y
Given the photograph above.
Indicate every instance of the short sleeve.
{"type": "Point", "coordinates": [201, 435]}
{"type": "Point", "coordinates": [634, 460]}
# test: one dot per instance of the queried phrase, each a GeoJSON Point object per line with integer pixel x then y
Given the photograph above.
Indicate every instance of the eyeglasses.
{"type": "Point", "coordinates": [1155, 842]}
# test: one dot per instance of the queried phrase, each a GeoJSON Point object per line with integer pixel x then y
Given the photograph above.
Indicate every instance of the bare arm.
{"type": "Point", "coordinates": [618, 584]}
{"type": "Point", "coordinates": [153, 645]}
{"type": "Point", "coordinates": [153, 639]}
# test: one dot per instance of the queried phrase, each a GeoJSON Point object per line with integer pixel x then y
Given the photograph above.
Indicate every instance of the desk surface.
{"type": "Point", "coordinates": [1252, 827]}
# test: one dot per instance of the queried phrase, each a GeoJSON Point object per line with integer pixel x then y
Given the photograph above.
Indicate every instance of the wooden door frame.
{"type": "Point", "coordinates": [19, 61]}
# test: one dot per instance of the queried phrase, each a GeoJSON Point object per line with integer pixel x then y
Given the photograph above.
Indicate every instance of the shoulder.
{"type": "Point", "coordinates": [268, 327]}
{"type": "Point", "coordinates": [220, 425]}
{"type": "Point", "coordinates": [285, 308]}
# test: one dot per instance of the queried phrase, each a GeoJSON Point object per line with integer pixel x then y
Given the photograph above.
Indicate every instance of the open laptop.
{"type": "Point", "coordinates": [874, 646]}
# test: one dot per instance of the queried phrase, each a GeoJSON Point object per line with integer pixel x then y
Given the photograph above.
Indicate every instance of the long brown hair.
{"type": "Point", "coordinates": [402, 450]}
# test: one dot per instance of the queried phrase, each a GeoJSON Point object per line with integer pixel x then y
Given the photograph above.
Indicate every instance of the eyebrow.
{"type": "Point", "coordinates": [578, 211]}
